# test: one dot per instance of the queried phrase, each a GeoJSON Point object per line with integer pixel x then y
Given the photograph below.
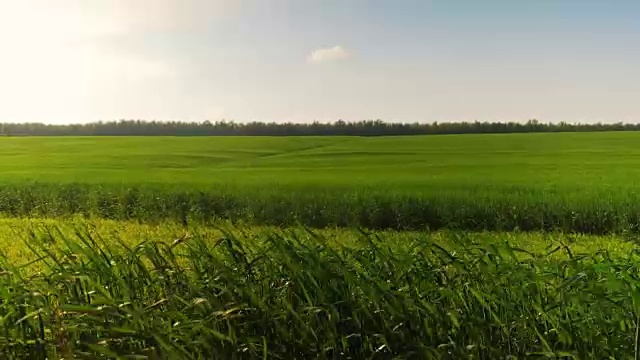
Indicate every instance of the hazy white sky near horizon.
{"type": "Point", "coordinates": [304, 60]}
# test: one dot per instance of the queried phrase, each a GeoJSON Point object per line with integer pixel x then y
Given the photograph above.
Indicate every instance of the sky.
{"type": "Point", "coordinates": [76, 61]}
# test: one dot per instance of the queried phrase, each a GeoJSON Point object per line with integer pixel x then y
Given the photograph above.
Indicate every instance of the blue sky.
{"type": "Point", "coordinates": [305, 60]}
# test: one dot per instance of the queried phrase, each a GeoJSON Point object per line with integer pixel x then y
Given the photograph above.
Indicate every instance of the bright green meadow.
{"type": "Point", "coordinates": [578, 161]}
{"type": "Point", "coordinates": [584, 182]}
{"type": "Point", "coordinates": [503, 246]}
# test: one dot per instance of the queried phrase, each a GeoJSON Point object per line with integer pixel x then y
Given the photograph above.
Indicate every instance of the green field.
{"type": "Point", "coordinates": [426, 247]}
{"type": "Point", "coordinates": [595, 161]}
{"type": "Point", "coordinates": [584, 182]}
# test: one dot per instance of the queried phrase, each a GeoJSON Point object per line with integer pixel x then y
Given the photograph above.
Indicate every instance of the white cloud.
{"type": "Point", "coordinates": [335, 53]}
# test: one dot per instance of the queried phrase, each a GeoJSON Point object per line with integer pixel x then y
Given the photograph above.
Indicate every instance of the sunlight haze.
{"type": "Point", "coordinates": [304, 60]}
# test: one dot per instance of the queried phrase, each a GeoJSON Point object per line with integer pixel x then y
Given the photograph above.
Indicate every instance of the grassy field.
{"type": "Point", "coordinates": [128, 290]}
{"type": "Point", "coordinates": [582, 182]}
{"type": "Point", "coordinates": [16, 232]}
{"type": "Point", "coordinates": [439, 247]}
{"type": "Point", "coordinates": [594, 161]}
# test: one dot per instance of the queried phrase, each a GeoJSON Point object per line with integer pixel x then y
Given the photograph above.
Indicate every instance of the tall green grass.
{"type": "Point", "coordinates": [296, 294]}
{"type": "Point", "coordinates": [477, 208]}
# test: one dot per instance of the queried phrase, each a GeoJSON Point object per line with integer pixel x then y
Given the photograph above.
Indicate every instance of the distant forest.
{"type": "Point", "coordinates": [360, 128]}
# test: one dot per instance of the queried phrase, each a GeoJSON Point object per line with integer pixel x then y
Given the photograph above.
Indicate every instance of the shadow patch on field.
{"type": "Point", "coordinates": [301, 151]}
{"type": "Point", "coordinates": [182, 161]}
{"type": "Point", "coordinates": [358, 153]}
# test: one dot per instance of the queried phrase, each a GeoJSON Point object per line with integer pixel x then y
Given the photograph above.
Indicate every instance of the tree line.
{"type": "Point", "coordinates": [359, 128]}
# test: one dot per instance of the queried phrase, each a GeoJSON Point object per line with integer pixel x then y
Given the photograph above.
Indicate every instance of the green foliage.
{"type": "Point", "coordinates": [298, 294]}
{"type": "Point", "coordinates": [372, 208]}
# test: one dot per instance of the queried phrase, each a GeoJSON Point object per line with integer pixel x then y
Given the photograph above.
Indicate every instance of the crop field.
{"type": "Point", "coordinates": [564, 161]}
{"type": "Point", "coordinates": [584, 182]}
{"type": "Point", "coordinates": [426, 247]}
